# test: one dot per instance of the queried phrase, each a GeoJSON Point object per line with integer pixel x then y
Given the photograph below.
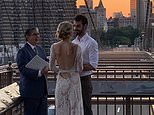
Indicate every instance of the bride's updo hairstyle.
{"type": "Point", "coordinates": [64, 30]}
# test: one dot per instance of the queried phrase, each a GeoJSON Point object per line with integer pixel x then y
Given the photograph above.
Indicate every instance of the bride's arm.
{"type": "Point", "coordinates": [52, 65]}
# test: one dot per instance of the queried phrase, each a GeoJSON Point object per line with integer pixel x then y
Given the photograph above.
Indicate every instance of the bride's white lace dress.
{"type": "Point", "coordinates": [68, 97]}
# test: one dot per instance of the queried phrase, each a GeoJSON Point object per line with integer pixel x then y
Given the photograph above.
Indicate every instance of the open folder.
{"type": "Point", "coordinates": [37, 63]}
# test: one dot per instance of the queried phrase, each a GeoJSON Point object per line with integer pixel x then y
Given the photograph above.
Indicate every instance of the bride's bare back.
{"type": "Point", "coordinates": [65, 53]}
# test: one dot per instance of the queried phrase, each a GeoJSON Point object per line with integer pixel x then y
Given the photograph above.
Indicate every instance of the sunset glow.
{"type": "Point", "coordinates": [112, 6]}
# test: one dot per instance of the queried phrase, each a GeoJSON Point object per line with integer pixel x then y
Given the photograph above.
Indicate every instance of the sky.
{"type": "Point", "coordinates": [112, 6]}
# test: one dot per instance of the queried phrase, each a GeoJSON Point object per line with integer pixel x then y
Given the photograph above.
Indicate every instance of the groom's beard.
{"type": "Point", "coordinates": [75, 34]}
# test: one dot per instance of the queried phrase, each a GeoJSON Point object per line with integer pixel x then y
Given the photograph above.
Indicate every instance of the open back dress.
{"type": "Point", "coordinates": [68, 97]}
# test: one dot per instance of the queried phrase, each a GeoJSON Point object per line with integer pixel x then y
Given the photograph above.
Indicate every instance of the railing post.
{"type": "Point", "coordinates": [10, 73]}
{"type": "Point", "coordinates": [97, 105]}
{"type": "Point", "coordinates": [128, 109]}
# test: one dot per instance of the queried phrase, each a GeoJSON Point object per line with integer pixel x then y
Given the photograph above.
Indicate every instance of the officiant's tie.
{"type": "Point", "coordinates": [35, 50]}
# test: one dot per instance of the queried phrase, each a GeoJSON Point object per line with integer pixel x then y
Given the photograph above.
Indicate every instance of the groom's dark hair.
{"type": "Point", "coordinates": [81, 18]}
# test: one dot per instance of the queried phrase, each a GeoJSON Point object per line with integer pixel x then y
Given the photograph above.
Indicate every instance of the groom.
{"type": "Point", "coordinates": [33, 88]}
{"type": "Point", "coordinates": [89, 48]}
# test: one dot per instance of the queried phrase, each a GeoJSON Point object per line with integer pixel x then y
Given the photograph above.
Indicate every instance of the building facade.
{"type": "Point", "coordinates": [138, 10]}
{"type": "Point", "coordinates": [101, 15]}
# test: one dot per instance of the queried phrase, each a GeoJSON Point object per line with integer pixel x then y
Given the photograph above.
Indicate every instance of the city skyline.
{"type": "Point", "coordinates": [112, 6]}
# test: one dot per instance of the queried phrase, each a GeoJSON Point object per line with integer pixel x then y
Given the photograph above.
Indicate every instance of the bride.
{"type": "Point", "coordinates": [67, 55]}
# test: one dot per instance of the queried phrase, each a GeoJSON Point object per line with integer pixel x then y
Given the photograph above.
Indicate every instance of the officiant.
{"type": "Point", "coordinates": [33, 86]}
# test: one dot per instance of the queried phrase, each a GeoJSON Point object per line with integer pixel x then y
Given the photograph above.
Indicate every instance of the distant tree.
{"type": "Point", "coordinates": [122, 40]}
{"type": "Point", "coordinates": [130, 32]}
{"type": "Point", "coordinates": [119, 36]}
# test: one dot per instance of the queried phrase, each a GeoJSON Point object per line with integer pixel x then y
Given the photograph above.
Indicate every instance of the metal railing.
{"type": "Point", "coordinates": [108, 103]}
{"type": "Point", "coordinates": [5, 78]}
{"type": "Point", "coordinates": [14, 109]}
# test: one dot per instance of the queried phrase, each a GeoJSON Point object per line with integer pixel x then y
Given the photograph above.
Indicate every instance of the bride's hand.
{"type": "Point", "coordinates": [45, 71]}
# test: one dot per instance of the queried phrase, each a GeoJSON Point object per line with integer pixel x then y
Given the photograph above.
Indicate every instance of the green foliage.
{"type": "Point", "coordinates": [119, 36]}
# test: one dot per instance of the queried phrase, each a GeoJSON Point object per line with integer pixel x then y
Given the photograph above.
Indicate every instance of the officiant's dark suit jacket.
{"type": "Point", "coordinates": [31, 85]}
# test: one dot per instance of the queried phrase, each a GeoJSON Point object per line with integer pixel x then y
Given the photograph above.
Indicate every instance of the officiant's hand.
{"type": "Point", "coordinates": [45, 71]}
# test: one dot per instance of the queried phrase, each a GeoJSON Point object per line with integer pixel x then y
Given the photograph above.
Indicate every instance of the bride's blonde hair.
{"type": "Point", "coordinates": [64, 30]}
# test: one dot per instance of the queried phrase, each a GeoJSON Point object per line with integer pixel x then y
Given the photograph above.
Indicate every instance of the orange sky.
{"type": "Point", "coordinates": [112, 6]}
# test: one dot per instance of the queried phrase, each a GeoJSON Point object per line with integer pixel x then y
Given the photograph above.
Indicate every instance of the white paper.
{"type": "Point", "coordinates": [37, 63]}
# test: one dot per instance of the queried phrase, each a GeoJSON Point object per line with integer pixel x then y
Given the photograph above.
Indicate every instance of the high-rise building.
{"type": "Point", "coordinates": [133, 8]}
{"type": "Point", "coordinates": [18, 15]}
{"type": "Point", "coordinates": [138, 10]}
{"type": "Point", "coordinates": [152, 7]}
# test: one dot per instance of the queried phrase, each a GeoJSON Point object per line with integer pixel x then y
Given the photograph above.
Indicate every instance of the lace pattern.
{"type": "Point", "coordinates": [68, 97]}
